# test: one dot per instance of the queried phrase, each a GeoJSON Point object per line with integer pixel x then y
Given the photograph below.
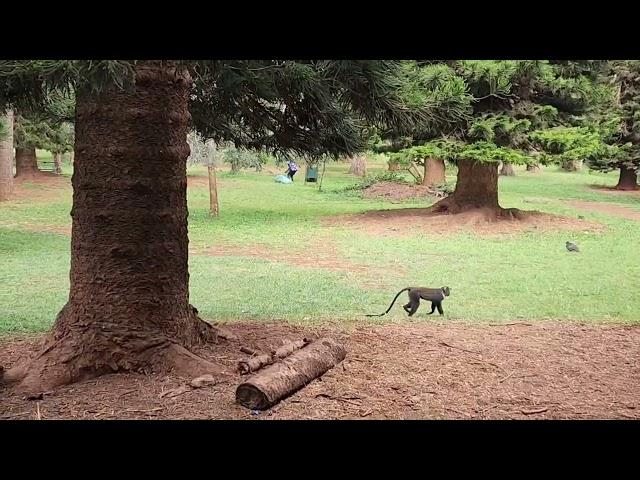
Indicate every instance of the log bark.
{"type": "Point", "coordinates": [253, 364]}
{"type": "Point", "coordinates": [628, 179]}
{"type": "Point", "coordinates": [257, 361]}
{"type": "Point", "coordinates": [282, 379]}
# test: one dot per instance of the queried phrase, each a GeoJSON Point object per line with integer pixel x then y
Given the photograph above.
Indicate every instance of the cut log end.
{"type": "Point", "coordinates": [251, 397]}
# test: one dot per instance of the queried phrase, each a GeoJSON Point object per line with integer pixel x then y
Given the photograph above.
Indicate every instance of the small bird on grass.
{"type": "Point", "coordinates": [572, 247]}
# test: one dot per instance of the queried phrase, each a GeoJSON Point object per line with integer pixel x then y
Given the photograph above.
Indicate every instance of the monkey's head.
{"type": "Point", "coordinates": [446, 291]}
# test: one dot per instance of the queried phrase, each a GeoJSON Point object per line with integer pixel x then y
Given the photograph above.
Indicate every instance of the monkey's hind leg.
{"type": "Point", "coordinates": [433, 308]}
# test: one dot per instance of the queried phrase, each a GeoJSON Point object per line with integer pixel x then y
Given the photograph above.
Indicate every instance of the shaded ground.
{"type": "Point", "coordinates": [403, 371]}
{"type": "Point", "coordinates": [399, 191]}
{"type": "Point", "coordinates": [408, 221]}
{"type": "Point", "coordinates": [608, 208]}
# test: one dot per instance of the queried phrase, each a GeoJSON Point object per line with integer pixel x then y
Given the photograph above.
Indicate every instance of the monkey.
{"type": "Point", "coordinates": [433, 295]}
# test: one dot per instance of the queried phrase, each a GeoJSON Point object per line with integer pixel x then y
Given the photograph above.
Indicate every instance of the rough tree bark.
{"type": "Point", "coordinates": [6, 159]}
{"type": "Point", "coordinates": [533, 167]}
{"type": "Point", "coordinates": [476, 188]}
{"type": "Point", "coordinates": [26, 162]}
{"type": "Point", "coordinates": [214, 207]}
{"type": "Point", "coordinates": [434, 172]}
{"type": "Point", "coordinates": [628, 179]}
{"type": "Point", "coordinates": [128, 306]}
{"type": "Point", "coordinates": [358, 165]}
{"type": "Point", "coordinates": [572, 165]}
{"type": "Point", "coordinates": [57, 162]}
{"type": "Point", "coordinates": [507, 170]}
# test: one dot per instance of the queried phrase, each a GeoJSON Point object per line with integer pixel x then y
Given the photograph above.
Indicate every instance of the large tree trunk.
{"type": "Point", "coordinates": [214, 207]}
{"type": "Point", "coordinates": [572, 165]}
{"type": "Point", "coordinates": [26, 162]}
{"type": "Point", "coordinates": [57, 162]}
{"type": "Point", "coordinates": [434, 172]}
{"type": "Point", "coordinates": [476, 188]}
{"type": "Point", "coordinates": [533, 167]}
{"type": "Point", "coordinates": [358, 165]}
{"type": "Point", "coordinates": [6, 159]}
{"type": "Point", "coordinates": [628, 179]}
{"type": "Point", "coordinates": [507, 170]}
{"type": "Point", "coordinates": [128, 306]}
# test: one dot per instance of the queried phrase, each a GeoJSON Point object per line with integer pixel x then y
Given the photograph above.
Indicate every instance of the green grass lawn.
{"type": "Point", "coordinates": [526, 276]}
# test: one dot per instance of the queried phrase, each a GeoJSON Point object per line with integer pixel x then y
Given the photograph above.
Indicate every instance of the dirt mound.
{"type": "Point", "coordinates": [411, 370]}
{"type": "Point", "coordinates": [409, 221]}
{"type": "Point", "coordinates": [608, 208]}
{"type": "Point", "coordinates": [400, 191]}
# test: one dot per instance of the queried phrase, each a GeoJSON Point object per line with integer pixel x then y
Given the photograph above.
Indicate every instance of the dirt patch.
{"type": "Point", "coordinates": [411, 370]}
{"type": "Point", "coordinates": [400, 191]}
{"type": "Point", "coordinates": [42, 187]}
{"type": "Point", "coordinates": [409, 221]}
{"type": "Point", "coordinates": [324, 255]}
{"type": "Point", "coordinates": [629, 193]}
{"type": "Point", "coordinates": [608, 208]}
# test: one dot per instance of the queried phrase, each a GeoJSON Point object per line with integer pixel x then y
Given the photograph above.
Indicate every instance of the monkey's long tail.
{"type": "Point", "coordinates": [394, 301]}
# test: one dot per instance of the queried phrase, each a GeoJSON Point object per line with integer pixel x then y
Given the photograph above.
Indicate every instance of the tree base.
{"type": "Point", "coordinates": [489, 213]}
{"type": "Point", "coordinates": [74, 354]}
{"type": "Point", "coordinates": [628, 180]}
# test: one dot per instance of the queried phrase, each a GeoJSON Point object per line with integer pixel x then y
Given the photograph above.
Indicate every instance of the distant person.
{"type": "Point", "coordinates": [293, 168]}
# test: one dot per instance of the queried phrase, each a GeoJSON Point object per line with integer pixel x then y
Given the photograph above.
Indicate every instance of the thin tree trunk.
{"type": "Point", "coordinates": [628, 179]}
{"type": "Point", "coordinates": [507, 170]}
{"type": "Point", "coordinates": [572, 165]}
{"type": "Point", "coordinates": [26, 162]}
{"type": "Point", "coordinates": [57, 162]}
{"type": "Point", "coordinates": [393, 167]}
{"type": "Point", "coordinates": [358, 165]}
{"type": "Point", "coordinates": [128, 306]}
{"type": "Point", "coordinates": [476, 188]}
{"type": "Point", "coordinates": [6, 159]}
{"type": "Point", "coordinates": [533, 167]}
{"type": "Point", "coordinates": [214, 208]}
{"type": "Point", "coordinates": [71, 157]}
{"type": "Point", "coordinates": [434, 172]}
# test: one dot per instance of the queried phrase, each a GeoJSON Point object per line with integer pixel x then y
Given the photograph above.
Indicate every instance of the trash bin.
{"type": "Point", "coordinates": [311, 174]}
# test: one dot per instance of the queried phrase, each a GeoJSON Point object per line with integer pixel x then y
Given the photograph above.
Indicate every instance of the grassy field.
{"type": "Point", "coordinates": [527, 276]}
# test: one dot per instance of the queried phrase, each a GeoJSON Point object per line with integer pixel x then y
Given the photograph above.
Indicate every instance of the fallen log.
{"type": "Point", "coordinates": [281, 379]}
{"type": "Point", "coordinates": [256, 362]}
{"type": "Point", "coordinates": [286, 350]}
{"type": "Point", "coordinates": [253, 364]}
